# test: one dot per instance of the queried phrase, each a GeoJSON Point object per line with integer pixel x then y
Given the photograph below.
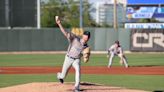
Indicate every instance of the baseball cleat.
{"type": "Point", "coordinates": [127, 66]}
{"type": "Point", "coordinates": [109, 66]}
{"type": "Point", "coordinates": [61, 80]}
{"type": "Point", "coordinates": [77, 89]}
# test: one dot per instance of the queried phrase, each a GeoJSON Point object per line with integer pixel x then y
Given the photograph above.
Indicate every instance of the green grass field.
{"type": "Point", "coordinates": [95, 60]}
{"type": "Point", "coordinates": [145, 82]}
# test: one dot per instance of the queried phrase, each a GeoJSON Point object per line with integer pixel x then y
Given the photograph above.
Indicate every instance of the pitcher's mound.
{"type": "Point", "coordinates": [66, 87]}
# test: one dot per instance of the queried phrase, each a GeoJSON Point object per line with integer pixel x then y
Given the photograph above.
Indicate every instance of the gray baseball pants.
{"type": "Point", "coordinates": [67, 65]}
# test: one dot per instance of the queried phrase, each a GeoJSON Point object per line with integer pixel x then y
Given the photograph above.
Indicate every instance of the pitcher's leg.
{"type": "Point", "coordinates": [66, 66]}
{"type": "Point", "coordinates": [76, 65]}
{"type": "Point", "coordinates": [110, 60]}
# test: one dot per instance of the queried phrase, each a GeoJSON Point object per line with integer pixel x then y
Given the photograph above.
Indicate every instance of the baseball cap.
{"type": "Point", "coordinates": [87, 33]}
{"type": "Point", "coordinates": [117, 42]}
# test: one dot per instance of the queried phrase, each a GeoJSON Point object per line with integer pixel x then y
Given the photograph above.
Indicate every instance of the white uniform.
{"type": "Point", "coordinates": [72, 58]}
{"type": "Point", "coordinates": [113, 50]}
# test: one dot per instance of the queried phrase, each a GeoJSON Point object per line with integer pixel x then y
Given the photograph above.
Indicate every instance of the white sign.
{"type": "Point", "coordinates": [144, 25]}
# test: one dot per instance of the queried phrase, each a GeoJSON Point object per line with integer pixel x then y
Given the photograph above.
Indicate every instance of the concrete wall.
{"type": "Point", "coordinates": [53, 40]}
{"type": "Point", "coordinates": [104, 38]}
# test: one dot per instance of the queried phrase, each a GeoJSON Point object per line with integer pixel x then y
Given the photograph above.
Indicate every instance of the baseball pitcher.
{"type": "Point", "coordinates": [116, 50]}
{"type": "Point", "coordinates": [76, 47]}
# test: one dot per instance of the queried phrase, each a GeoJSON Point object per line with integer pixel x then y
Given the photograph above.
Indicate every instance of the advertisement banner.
{"type": "Point", "coordinates": [144, 12]}
{"type": "Point", "coordinates": [136, 13]}
{"type": "Point", "coordinates": [141, 12]}
{"type": "Point", "coordinates": [147, 40]}
{"type": "Point", "coordinates": [145, 2]}
{"type": "Point", "coordinates": [144, 25]}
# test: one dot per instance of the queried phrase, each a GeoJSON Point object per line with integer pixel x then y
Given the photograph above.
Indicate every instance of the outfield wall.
{"type": "Point", "coordinates": [104, 38]}
{"type": "Point", "coordinates": [52, 39]}
{"type": "Point", "coordinates": [32, 40]}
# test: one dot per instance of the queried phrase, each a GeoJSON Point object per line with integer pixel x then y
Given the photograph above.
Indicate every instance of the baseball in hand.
{"type": "Point", "coordinates": [56, 18]}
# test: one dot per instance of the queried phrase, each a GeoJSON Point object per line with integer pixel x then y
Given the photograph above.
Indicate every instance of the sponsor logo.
{"type": "Point", "coordinates": [145, 25]}
{"type": "Point", "coordinates": [144, 12]}
{"type": "Point", "coordinates": [151, 38]}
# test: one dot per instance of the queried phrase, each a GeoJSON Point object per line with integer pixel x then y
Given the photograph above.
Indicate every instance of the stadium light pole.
{"type": "Point", "coordinates": [38, 14]}
{"type": "Point", "coordinates": [115, 25]}
{"type": "Point", "coordinates": [7, 13]}
{"type": "Point", "coordinates": [81, 14]}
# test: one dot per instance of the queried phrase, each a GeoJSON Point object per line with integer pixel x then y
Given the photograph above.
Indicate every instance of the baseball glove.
{"type": "Point", "coordinates": [86, 54]}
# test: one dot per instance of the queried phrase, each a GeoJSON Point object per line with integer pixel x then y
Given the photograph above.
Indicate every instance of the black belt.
{"type": "Point", "coordinates": [72, 57]}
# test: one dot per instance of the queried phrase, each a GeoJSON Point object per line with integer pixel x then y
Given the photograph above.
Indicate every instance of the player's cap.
{"type": "Point", "coordinates": [117, 42]}
{"type": "Point", "coordinates": [87, 33]}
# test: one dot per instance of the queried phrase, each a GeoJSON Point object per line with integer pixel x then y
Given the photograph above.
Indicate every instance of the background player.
{"type": "Point", "coordinates": [116, 50]}
{"type": "Point", "coordinates": [72, 58]}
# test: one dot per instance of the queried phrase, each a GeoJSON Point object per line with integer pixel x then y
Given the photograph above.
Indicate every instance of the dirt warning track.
{"type": "Point", "coordinates": [150, 70]}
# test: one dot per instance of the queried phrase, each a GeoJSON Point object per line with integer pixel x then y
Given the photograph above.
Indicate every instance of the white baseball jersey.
{"type": "Point", "coordinates": [75, 46]}
{"type": "Point", "coordinates": [116, 50]}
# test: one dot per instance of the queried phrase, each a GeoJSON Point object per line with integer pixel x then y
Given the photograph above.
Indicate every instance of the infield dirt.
{"type": "Point", "coordinates": [145, 70]}
{"type": "Point", "coordinates": [66, 87]}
